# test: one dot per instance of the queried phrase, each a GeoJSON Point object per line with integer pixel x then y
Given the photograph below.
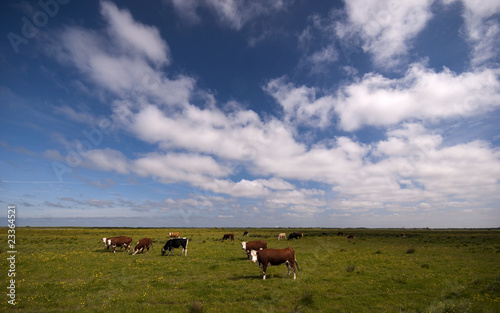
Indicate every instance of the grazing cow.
{"type": "Point", "coordinates": [403, 235]}
{"type": "Point", "coordinates": [144, 243]}
{"type": "Point", "coordinates": [295, 236]}
{"type": "Point", "coordinates": [350, 236]}
{"type": "Point", "coordinates": [105, 241]}
{"type": "Point", "coordinates": [256, 245]}
{"type": "Point", "coordinates": [281, 236]}
{"type": "Point", "coordinates": [114, 242]}
{"type": "Point", "coordinates": [228, 236]}
{"type": "Point", "coordinates": [175, 243]}
{"type": "Point", "coordinates": [268, 257]}
{"type": "Point", "coordinates": [340, 233]}
{"type": "Point", "coordinates": [245, 233]}
{"type": "Point", "coordinates": [174, 235]}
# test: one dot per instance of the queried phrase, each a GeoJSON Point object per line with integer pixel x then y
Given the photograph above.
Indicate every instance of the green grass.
{"type": "Point", "coordinates": [67, 269]}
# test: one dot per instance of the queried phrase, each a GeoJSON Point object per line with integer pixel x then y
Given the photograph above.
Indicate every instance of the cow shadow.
{"type": "Point", "coordinates": [245, 277]}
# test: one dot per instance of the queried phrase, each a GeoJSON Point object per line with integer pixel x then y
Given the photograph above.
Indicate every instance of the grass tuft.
{"type": "Point", "coordinates": [196, 307]}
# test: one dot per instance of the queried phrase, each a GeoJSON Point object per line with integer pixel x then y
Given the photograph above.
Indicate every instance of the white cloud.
{"type": "Point", "coordinates": [482, 29]}
{"type": "Point", "coordinates": [124, 59]}
{"type": "Point", "coordinates": [143, 39]}
{"type": "Point", "coordinates": [106, 160]}
{"type": "Point", "coordinates": [231, 13]}
{"type": "Point", "coordinates": [179, 167]}
{"type": "Point", "coordinates": [421, 94]}
{"type": "Point", "coordinates": [300, 104]}
{"type": "Point", "coordinates": [376, 100]}
{"type": "Point", "coordinates": [385, 27]}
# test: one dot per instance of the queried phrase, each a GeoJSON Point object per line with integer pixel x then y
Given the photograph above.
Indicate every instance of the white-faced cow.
{"type": "Point", "coordinates": [268, 257]}
{"type": "Point", "coordinates": [114, 242]}
{"type": "Point", "coordinates": [256, 245]}
{"type": "Point", "coordinates": [281, 236]}
{"type": "Point", "coordinates": [106, 239]}
{"type": "Point", "coordinates": [228, 236]}
{"type": "Point", "coordinates": [295, 236]}
{"type": "Point", "coordinates": [175, 243]}
{"type": "Point", "coordinates": [144, 243]}
{"type": "Point", "coordinates": [174, 235]}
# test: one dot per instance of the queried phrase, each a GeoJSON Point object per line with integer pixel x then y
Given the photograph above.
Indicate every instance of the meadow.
{"type": "Point", "coordinates": [68, 269]}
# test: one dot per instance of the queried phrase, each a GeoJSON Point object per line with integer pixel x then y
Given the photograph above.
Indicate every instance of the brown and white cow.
{"type": "Point", "coordinates": [281, 236]}
{"type": "Point", "coordinates": [256, 245]}
{"type": "Point", "coordinates": [351, 236]}
{"type": "Point", "coordinates": [268, 257]}
{"type": "Point", "coordinates": [228, 236]}
{"type": "Point", "coordinates": [121, 241]}
{"type": "Point", "coordinates": [105, 240]}
{"type": "Point", "coordinates": [144, 243]}
{"type": "Point", "coordinates": [174, 235]}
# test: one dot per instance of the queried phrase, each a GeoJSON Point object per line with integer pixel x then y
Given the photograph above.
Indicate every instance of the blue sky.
{"type": "Point", "coordinates": [187, 113]}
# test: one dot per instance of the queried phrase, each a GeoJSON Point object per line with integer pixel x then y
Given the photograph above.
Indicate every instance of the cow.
{"type": "Point", "coordinates": [340, 233]}
{"type": "Point", "coordinates": [105, 241]}
{"type": "Point", "coordinates": [403, 235]}
{"type": "Point", "coordinates": [268, 257]}
{"type": "Point", "coordinates": [175, 243]}
{"type": "Point", "coordinates": [295, 236]}
{"type": "Point", "coordinates": [350, 236]}
{"type": "Point", "coordinates": [245, 233]}
{"type": "Point", "coordinates": [228, 236]}
{"type": "Point", "coordinates": [281, 236]}
{"type": "Point", "coordinates": [174, 235]}
{"type": "Point", "coordinates": [256, 245]}
{"type": "Point", "coordinates": [121, 241]}
{"type": "Point", "coordinates": [144, 243]}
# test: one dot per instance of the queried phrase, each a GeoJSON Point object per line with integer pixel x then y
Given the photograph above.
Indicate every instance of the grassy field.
{"type": "Point", "coordinates": [67, 269]}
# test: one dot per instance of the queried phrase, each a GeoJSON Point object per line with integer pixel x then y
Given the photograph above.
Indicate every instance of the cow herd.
{"type": "Point", "coordinates": [256, 250]}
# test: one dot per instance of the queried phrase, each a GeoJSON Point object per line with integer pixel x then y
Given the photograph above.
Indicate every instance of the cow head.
{"type": "Point", "coordinates": [163, 251]}
{"type": "Point", "coordinates": [244, 245]}
{"type": "Point", "coordinates": [253, 255]}
{"type": "Point", "coordinates": [104, 240]}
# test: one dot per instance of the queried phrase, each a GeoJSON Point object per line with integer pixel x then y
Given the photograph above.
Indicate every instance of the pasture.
{"type": "Point", "coordinates": [68, 269]}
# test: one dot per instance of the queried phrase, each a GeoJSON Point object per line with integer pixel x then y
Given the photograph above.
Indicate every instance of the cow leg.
{"type": "Point", "coordinates": [264, 270]}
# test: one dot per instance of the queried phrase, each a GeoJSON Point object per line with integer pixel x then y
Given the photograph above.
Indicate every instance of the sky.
{"type": "Point", "coordinates": [264, 113]}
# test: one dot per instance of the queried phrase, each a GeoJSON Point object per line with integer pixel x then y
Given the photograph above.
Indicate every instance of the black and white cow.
{"type": "Point", "coordinates": [175, 243]}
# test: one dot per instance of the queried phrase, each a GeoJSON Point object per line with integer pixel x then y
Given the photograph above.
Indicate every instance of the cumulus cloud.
{"type": "Point", "coordinates": [421, 94]}
{"type": "Point", "coordinates": [482, 29]}
{"type": "Point", "coordinates": [144, 40]}
{"type": "Point", "coordinates": [122, 60]}
{"type": "Point", "coordinates": [376, 100]}
{"type": "Point", "coordinates": [386, 28]}
{"type": "Point", "coordinates": [204, 146]}
{"type": "Point", "coordinates": [231, 13]}
{"type": "Point", "coordinates": [300, 104]}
